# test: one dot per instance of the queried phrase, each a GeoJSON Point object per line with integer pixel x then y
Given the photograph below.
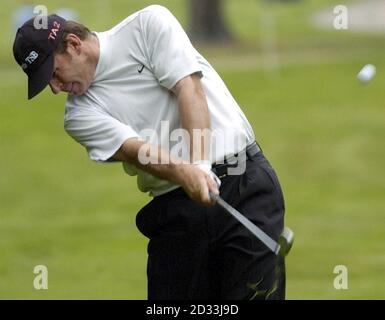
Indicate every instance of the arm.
{"type": "Point", "coordinates": [194, 181]}
{"type": "Point", "coordinates": [194, 116]}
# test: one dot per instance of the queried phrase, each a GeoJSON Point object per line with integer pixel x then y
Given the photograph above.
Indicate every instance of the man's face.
{"type": "Point", "coordinates": [72, 73]}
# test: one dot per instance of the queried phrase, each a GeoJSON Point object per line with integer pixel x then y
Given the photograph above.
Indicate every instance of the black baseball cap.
{"type": "Point", "coordinates": [34, 47]}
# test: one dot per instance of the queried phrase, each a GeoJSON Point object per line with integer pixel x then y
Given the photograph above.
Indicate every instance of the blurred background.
{"type": "Point", "coordinates": [292, 66]}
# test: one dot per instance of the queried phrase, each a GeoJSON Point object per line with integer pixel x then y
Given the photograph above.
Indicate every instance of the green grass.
{"type": "Point", "coordinates": [320, 128]}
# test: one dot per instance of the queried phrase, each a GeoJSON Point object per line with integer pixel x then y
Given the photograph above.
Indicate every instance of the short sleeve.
{"type": "Point", "coordinates": [170, 52]}
{"type": "Point", "coordinates": [101, 134]}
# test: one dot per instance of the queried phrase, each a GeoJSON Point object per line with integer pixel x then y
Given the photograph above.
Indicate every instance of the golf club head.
{"type": "Point", "coordinates": [285, 241]}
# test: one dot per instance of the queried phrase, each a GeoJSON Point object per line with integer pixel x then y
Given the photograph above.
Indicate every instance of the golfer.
{"type": "Point", "coordinates": [141, 94]}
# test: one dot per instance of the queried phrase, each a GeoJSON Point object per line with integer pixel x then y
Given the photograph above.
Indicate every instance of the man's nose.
{"type": "Point", "coordinates": [55, 85]}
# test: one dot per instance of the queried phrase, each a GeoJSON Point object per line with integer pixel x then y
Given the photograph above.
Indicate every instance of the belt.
{"type": "Point", "coordinates": [221, 169]}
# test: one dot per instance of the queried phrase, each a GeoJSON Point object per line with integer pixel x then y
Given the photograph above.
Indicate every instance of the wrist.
{"type": "Point", "coordinates": [180, 171]}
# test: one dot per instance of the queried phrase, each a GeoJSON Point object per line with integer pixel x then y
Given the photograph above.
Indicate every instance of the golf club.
{"type": "Point", "coordinates": [286, 239]}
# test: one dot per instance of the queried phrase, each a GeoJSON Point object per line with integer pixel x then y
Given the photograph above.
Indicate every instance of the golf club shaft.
{"type": "Point", "coordinates": [260, 234]}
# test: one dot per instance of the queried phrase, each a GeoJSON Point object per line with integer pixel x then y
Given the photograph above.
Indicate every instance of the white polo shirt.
{"type": "Point", "coordinates": [141, 59]}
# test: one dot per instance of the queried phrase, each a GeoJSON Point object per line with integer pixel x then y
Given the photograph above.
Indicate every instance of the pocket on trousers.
{"type": "Point", "coordinates": [149, 219]}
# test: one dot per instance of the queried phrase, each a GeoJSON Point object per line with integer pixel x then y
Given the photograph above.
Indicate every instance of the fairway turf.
{"type": "Point", "coordinates": [321, 129]}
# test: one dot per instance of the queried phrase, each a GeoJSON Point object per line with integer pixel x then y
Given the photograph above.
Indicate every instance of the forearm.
{"type": "Point", "coordinates": [194, 116]}
{"type": "Point", "coordinates": [159, 163]}
{"type": "Point", "coordinates": [151, 159]}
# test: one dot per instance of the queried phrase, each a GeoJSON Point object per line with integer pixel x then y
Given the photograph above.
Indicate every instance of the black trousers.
{"type": "Point", "coordinates": [198, 252]}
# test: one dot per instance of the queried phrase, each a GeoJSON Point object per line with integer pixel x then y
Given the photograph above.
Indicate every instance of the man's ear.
{"type": "Point", "coordinates": [74, 43]}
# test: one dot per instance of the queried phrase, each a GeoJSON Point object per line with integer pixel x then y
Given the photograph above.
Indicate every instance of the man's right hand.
{"type": "Point", "coordinates": [197, 183]}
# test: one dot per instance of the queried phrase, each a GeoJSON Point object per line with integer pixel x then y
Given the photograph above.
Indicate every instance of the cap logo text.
{"type": "Point", "coordinates": [32, 57]}
{"type": "Point", "coordinates": [53, 34]}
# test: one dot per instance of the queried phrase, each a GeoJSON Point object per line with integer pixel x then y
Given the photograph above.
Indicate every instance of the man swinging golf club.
{"type": "Point", "coordinates": [128, 86]}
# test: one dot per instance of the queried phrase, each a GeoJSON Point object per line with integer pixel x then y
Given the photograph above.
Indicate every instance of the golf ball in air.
{"type": "Point", "coordinates": [367, 73]}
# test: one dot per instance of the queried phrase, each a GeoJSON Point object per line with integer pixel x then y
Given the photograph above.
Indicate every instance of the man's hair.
{"type": "Point", "coordinates": [75, 28]}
